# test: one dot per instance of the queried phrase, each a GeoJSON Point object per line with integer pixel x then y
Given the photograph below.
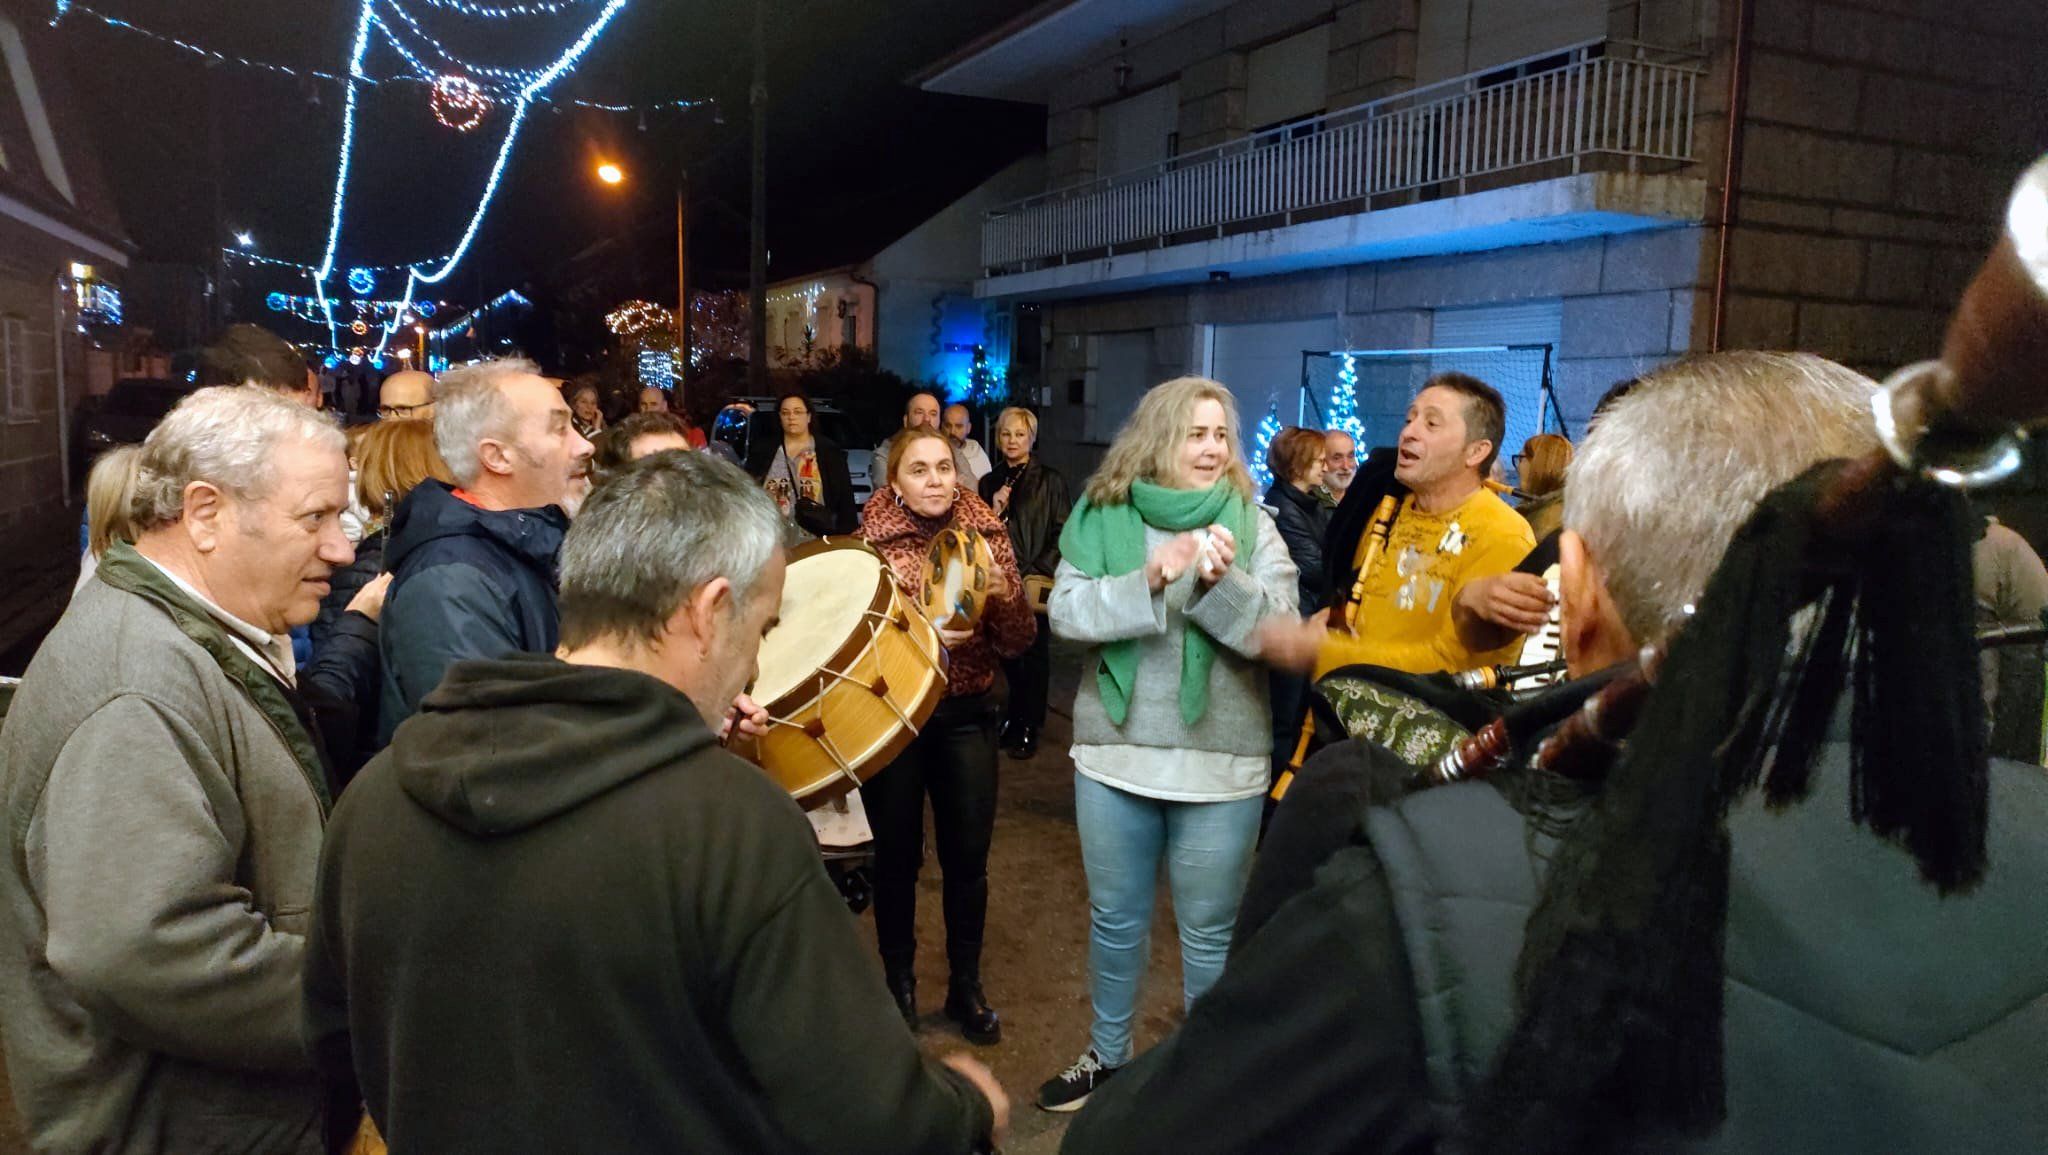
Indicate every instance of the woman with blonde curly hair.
{"type": "Point", "coordinates": [1167, 567]}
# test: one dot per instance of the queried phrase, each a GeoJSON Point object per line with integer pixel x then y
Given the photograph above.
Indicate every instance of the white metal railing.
{"type": "Point", "coordinates": [1591, 99]}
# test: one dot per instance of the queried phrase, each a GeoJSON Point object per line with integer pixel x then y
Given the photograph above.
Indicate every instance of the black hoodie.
{"type": "Point", "coordinates": [555, 916]}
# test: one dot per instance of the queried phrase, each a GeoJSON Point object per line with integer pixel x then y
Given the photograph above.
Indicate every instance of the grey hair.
{"type": "Point", "coordinates": [470, 408]}
{"type": "Point", "coordinates": [652, 532]}
{"type": "Point", "coordinates": [224, 435]}
{"type": "Point", "coordinates": [1673, 469]}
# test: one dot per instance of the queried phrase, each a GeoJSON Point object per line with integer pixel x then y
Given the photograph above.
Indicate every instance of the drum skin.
{"type": "Point", "coordinates": [956, 570]}
{"type": "Point", "coordinates": [848, 677]}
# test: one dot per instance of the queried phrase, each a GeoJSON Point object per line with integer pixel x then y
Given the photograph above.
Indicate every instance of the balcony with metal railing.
{"type": "Point", "coordinates": [1601, 107]}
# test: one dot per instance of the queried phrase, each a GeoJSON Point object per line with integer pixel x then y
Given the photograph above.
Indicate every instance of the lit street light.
{"type": "Point", "coordinates": [245, 240]}
{"type": "Point", "coordinates": [610, 173]}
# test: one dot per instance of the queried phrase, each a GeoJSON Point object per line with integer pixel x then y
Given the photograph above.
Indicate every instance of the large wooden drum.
{"type": "Point", "coordinates": [848, 676]}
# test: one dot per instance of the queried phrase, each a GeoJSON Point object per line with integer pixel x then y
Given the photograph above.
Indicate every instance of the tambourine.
{"type": "Point", "coordinates": [956, 578]}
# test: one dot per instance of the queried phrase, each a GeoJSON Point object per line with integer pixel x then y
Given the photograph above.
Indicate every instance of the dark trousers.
{"type": "Point", "coordinates": [1030, 676]}
{"type": "Point", "coordinates": [953, 760]}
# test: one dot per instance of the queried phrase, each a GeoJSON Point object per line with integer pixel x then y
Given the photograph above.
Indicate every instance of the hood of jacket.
{"type": "Point", "coordinates": [502, 746]}
{"type": "Point", "coordinates": [432, 512]}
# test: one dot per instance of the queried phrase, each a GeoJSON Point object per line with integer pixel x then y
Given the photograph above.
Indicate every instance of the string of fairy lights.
{"type": "Point", "coordinates": [463, 95]}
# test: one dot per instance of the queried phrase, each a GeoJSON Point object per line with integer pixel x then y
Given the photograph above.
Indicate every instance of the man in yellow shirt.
{"type": "Point", "coordinates": [1440, 596]}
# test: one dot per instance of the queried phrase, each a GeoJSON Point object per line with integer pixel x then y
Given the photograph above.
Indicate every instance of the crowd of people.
{"type": "Point", "coordinates": [374, 788]}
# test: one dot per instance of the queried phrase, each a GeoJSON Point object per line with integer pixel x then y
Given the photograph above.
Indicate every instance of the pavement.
{"type": "Point", "coordinates": [1035, 957]}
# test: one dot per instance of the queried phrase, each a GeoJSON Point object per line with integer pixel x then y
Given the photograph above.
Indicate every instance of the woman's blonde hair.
{"type": "Point", "coordinates": [110, 498]}
{"type": "Point", "coordinates": [1029, 419]}
{"type": "Point", "coordinates": [392, 458]}
{"type": "Point", "coordinates": [1544, 460]}
{"type": "Point", "coordinates": [1148, 447]}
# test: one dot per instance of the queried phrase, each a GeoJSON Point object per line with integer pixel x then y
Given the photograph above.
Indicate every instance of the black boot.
{"type": "Point", "coordinates": [903, 988]}
{"type": "Point", "coordinates": [966, 1006]}
{"type": "Point", "coordinates": [1025, 743]}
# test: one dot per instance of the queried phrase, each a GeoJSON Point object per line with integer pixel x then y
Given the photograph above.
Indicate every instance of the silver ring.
{"type": "Point", "coordinates": [1967, 467]}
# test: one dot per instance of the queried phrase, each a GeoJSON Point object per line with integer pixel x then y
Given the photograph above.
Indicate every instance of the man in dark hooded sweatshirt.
{"type": "Point", "coordinates": [473, 564]}
{"type": "Point", "coordinates": [554, 915]}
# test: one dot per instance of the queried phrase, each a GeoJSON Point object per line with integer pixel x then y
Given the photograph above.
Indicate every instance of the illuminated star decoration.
{"type": "Point", "coordinates": [458, 103]}
{"type": "Point", "coordinates": [527, 85]}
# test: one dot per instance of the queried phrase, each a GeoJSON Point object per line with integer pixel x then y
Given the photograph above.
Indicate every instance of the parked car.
{"type": "Point", "coordinates": [124, 416]}
{"type": "Point", "coordinates": [826, 422]}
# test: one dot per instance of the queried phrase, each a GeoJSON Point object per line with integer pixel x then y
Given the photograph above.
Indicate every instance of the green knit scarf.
{"type": "Point", "coordinates": [1109, 540]}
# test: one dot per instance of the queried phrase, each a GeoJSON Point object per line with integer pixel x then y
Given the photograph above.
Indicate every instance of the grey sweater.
{"type": "Point", "coordinates": [162, 847]}
{"type": "Point", "coordinates": [1109, 609]}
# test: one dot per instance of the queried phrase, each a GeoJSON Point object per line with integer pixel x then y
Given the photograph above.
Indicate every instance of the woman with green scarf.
{"type": "Point", "coordinates": [1166, 569]}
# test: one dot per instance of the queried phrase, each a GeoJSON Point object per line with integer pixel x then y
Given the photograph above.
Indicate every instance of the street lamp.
{"type": "Point", "coordinates": [611, 174]}
{"type": "Point", "coordinates": [421, 332]}
{"type": "Point", "coordinates": [245, 240]}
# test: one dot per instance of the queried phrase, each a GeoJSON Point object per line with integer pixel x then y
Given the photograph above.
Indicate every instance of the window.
{"type": "Point", "coordinates": [1287, 79]}
{"type": "Point", "coordinates": [1138, 131]}
{"type": "Point", "coordinates": [21, 393]}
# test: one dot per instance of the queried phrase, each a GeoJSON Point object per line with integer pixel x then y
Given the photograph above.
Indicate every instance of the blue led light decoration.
{"type": "Point", "coordinates": [1269, 428]}
{"type": "Point", "coordinates": [658, 369]}
{"type": "Point", "coordinates": [361, 281]}
{"type": "Point", "coordinates": [412, 74]}
{"type": "Point", "coordinates": [1344, 403]}
{"type": "Point", "coordinates": [530, 85]}
{"type": "Point", "coordinates": [278, 302]}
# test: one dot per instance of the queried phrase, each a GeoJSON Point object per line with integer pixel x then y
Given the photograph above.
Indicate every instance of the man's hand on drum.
{"type": "Point", "coordinates": [752, 719]}
{"type": "Point", "coordinates": [1286, 644]}
{"type": "Point", "coordinates": [984, 1080]}
{"type": "Point", "coordinates": [1171, 559]}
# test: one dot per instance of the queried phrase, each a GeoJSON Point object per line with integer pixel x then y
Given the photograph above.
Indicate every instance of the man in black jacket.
{"type": "Point", "coordinates": [556, 916]}
{"type": "Point", "coordinates": [1372, 988]}
{"type": "Point", "coordinates": [473, 564]}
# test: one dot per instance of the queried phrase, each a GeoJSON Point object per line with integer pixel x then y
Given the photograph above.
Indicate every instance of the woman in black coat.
{"type": "Point", "coordinates": [806, 475]}
{"type": "Point", "coordinates": [1031, 498]}
{"type": "Point", "coordinates": [1296, 457]}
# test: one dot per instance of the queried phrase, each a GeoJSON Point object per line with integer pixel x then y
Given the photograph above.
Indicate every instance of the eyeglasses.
{"type": "Point", "coordinates": [1518, 459]}
{"type": "Point", "coordinates": [400, 410]}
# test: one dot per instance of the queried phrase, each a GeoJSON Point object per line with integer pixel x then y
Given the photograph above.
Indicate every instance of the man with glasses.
{"type": "Point", "coordinates": [407, 395]}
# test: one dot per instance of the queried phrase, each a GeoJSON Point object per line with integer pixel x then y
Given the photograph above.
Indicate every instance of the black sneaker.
{"type": "Point", "coordinates": [1071, 1087]}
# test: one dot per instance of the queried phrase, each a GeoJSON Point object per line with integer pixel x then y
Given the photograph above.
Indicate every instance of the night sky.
{"type": "Point", "coordinates": [857, 157]}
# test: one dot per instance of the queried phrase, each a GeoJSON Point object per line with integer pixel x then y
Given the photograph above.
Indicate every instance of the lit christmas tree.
{"type": "Point", "coordinates": [1269, 426]}
{"type": "Point", "coordinates": [1344, 403]}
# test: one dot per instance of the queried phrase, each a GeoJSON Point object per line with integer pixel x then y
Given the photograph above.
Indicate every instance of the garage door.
{"type": "Point", "coordinates": [1262, 364]}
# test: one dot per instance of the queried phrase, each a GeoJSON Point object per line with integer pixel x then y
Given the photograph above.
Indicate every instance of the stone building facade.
{"type": "Point", "coordinates": [1877, 141]}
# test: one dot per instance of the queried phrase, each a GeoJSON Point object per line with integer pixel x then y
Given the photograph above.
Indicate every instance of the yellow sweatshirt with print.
{"type": "Point", "coordinates": [1404, 616]}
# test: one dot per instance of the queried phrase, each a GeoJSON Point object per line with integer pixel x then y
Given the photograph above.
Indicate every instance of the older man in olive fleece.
{"type": "Point", "coordinates": [165, 798]}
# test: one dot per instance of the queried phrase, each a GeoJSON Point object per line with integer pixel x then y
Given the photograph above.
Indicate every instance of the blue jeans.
{"type": "Point", "coordinates": [1208, 851]}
